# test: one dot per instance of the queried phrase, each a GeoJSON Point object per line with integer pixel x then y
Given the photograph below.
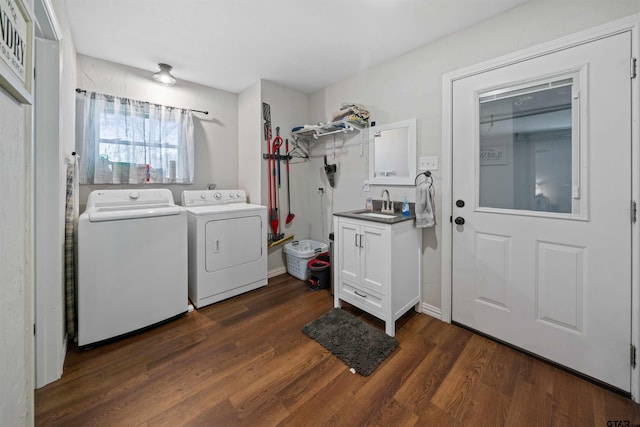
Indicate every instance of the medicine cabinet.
{"type": "Point", "coordinates": [392, 153]}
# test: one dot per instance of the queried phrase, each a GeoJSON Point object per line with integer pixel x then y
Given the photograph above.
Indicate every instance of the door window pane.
{"type": "Point", "coordinates": [526, 148]}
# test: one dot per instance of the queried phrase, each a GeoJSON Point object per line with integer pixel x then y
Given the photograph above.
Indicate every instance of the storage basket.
{"type": "Point", "coordinates": [298, 253]}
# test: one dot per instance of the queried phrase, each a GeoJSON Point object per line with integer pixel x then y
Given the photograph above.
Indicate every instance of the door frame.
{"type": "Point", "coordinates": [628, 24]}
{"type": "Point", "coordinates": [50, 344]}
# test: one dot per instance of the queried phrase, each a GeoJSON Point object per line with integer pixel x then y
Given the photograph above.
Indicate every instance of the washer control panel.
{"type": "Point", "coordinates": [212, 197]}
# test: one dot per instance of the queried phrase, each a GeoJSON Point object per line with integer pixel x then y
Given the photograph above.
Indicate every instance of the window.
{"type": "Point", "coordinates": [529, 147]}
{"type": "Point", "coordinates": [123, 141]}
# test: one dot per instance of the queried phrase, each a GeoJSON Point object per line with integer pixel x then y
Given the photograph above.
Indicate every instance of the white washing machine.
{"type": "Point", "coordinates": [227, 245]}
{"type": "Point", "coordinates": [132, 262]}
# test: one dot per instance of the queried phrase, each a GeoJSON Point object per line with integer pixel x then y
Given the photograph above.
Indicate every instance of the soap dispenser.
{"type": "Point", "coordinates": [405, 207]}
{"type": "Point", "coordinates": [369, 205]}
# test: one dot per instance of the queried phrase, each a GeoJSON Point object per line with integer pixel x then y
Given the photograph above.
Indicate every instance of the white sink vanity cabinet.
{"type": "Point", "coordinates": [377, 265]}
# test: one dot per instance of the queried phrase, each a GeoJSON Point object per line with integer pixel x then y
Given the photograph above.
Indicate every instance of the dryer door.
{"type": "Point", "coordinates": [232, 242]}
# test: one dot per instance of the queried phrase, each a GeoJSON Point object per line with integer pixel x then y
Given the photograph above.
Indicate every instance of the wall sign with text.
{"type": "Point", "coordinates": [16, 50]}
{"type": "Point", "coordinates": [493, 155]}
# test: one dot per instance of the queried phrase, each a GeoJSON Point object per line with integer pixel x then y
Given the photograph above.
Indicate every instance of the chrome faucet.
{"type": "Point", "coordinates": [387, 206]}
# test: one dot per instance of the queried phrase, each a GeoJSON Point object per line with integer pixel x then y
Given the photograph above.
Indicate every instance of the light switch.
{"type": "Point", "coordinates": [429, 163]}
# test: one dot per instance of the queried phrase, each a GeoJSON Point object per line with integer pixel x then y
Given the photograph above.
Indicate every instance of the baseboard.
{"type": "Point", "coordinates": [431, 311]}
{"type": "Point", "coordinates": [276, 272]}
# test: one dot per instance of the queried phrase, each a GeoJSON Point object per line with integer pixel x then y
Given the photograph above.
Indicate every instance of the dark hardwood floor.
{"type": "Point", "coordinates": [245, 362]}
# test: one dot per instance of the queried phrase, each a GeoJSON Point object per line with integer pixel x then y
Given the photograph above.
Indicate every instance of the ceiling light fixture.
{"type": "Point", "coordinates": [164, 75]}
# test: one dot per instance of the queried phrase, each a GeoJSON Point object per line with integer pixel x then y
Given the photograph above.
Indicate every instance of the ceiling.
{"type": "Point", "coordinates": [230, 44]}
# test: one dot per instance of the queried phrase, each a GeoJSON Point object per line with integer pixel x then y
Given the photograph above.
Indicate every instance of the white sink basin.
{"type": "Point", "coordinates": [378, 215]}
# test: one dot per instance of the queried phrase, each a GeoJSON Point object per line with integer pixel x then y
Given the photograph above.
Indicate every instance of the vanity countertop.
{"type": "Point", "coordinates": [377, 216]}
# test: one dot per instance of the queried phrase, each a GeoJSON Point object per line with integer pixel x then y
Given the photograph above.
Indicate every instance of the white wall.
{"type": "Point", "coordinates": [289, 108]}
{"type": "Point", "coordinates": [411, 86]}
{"type": "Point", "coordinates": [67, 87]}
{"type": "Point", "coordinates": [216, 134]}
{"type": "Point", "coordinates": [16, 262]}
{"type": "Point", "coordinates": [350, 153]}
{"type": "Point", "coordinates": [250, 142]}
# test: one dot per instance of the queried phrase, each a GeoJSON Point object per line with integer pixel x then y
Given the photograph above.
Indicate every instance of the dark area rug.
{"type": "Point", "coordinates": [359, 345]}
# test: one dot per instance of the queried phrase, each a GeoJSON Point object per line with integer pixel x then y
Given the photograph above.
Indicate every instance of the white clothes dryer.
{"type": "Point", "coordinates": [132, 262]}
{"type": "Point", "coordinates": [227, 245]}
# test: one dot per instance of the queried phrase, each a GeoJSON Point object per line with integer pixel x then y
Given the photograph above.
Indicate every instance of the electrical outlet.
{"type": "Point", "coordinates": [428, 163]}
{"type": "Point", "coordinates": [366, 188]}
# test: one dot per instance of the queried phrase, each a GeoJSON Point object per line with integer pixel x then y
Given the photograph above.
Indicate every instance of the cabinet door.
{"type": "Point", "coordinates": [375, 258]}
{"type": "Point", "coordinates": [349, 251]}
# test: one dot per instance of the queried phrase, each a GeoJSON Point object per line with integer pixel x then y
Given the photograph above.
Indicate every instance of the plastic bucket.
{"type": "Point", "coordinates": [319, 272]}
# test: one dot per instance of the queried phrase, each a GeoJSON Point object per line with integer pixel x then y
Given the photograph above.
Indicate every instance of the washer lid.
{"type": "Point", "coordinates": [115, 213]}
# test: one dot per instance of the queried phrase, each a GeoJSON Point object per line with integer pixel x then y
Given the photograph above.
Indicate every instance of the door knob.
{"type": "Point", "coordinates": [460, 203]}
{"type": "Point", "coordinates": [459, 220]}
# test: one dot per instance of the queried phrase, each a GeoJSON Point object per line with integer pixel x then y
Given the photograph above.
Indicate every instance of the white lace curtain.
{"type": "Point", "coordinates": [124, 141]}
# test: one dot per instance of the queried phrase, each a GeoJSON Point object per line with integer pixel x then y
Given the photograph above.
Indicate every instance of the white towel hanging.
{"type": "Point", "coordinates": [425, 212]}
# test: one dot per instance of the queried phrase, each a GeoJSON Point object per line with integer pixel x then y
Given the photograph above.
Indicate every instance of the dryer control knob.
{"type": "Point", "coordinates": [217, 196]}
{"type": "Point", "coordinates": [202, 196]}
{"type": "Point", "coordinates": [134, 195]}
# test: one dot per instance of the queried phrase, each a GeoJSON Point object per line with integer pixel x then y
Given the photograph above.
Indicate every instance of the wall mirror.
{"type": "Point", "coordinates": [392, 153]}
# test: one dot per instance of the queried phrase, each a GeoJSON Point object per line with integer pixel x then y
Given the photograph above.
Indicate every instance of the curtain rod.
{"type": "Point", "coordinates": [78, 90]}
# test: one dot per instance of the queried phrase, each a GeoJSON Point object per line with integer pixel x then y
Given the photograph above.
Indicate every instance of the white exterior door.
{"type": "Point", "coordinates": [541, 245]}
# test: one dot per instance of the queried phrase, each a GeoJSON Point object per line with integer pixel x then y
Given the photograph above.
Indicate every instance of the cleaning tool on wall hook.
{"type": "Point", "coordinates": [275, 218]}
{"type": "Point", "coordinates": [266, 115]}
{"type": "Point", "coordinates": [278, 157]}
{"type": "Point", "coordinates": [330, 170]}
{"type": "Point", "coordinates": [272, 212]}
{"type": "Point", "coordinates": [274, 199]}
{"type": "Point", "coordinates": [277, 240]}
{"type": "Point", "coordinates": [290, 216]}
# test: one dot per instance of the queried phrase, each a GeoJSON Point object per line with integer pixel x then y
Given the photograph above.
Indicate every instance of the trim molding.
{"type": "Point", "coordinates": [431, 311]}
{"type": "Point", "coordinates": [276, 272]}
{"type": "Point", "coordinates": [47, 23]}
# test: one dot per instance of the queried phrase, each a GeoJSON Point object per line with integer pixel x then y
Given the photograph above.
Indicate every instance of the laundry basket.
{"type": "Point", "coordinates": [299, 253]}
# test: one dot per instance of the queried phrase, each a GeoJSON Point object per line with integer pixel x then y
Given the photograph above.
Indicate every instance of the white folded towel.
{"type": "Point", "coordinates": [425, 213]}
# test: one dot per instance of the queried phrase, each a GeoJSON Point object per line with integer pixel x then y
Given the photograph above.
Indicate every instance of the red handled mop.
{"type": "Point", "coordinates": [266, 115]}
{"type": "Point", "coordinates": [275, 219]}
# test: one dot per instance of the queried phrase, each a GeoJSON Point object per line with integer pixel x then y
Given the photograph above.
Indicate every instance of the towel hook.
{"type": "Point", "coordinates": [427, 174]}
